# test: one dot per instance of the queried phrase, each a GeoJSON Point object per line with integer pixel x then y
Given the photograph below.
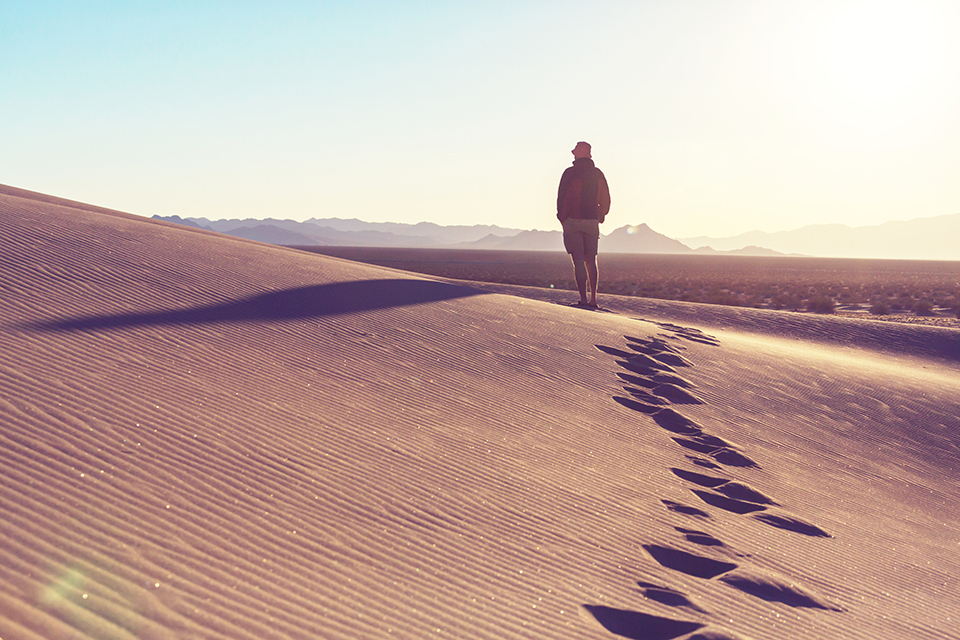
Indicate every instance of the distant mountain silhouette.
{"type": "Point", "coordinates": [272, 234]}
{"type": "Point", "coordinates": [453, 234]}
{"type": "Point", "coordinates": [919, 239]}
{"type": "Point", "coordinates": [184, 222]}
{"type": "Point", "coordinates": [627, 239]}
{"type": "Point", "coordinates": [640, 239]}
{"type": "Point", "coordinates": [523, 241]}
{"type": "Point", "coordinates": [745, 251]}
{"type": "Point", "coordinates": [338, 231]}
{"type": "Point", "coordinates": [356, 233]}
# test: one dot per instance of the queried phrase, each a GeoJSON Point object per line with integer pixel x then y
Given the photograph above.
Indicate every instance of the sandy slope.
{"type": "Point", "coordinates": [206, 437]}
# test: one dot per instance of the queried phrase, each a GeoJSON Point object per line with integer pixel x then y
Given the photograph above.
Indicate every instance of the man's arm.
{"type": "Point", "coordinates": [561, 192]}
{"type": "Point", "coordinates": [603, 196]}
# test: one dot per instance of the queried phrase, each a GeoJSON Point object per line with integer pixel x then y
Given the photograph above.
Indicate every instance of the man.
{"type": "Point", "coordinates": [583, 201]}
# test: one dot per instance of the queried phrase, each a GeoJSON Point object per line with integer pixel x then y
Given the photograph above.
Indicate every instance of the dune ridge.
{"type": "Point", "coordinates": [205, 437]}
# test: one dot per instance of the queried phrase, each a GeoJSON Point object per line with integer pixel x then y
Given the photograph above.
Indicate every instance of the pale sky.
{"type": "Point", "coordinates": [708, 117]}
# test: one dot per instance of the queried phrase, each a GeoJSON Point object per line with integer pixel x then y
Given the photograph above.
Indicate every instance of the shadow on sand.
{"type": "Point", "coordinates": [302, 302]}
{"type": "Point", "coordinates": [640, 626]}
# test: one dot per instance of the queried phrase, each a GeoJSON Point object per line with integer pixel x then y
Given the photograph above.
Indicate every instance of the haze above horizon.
{"type": "Point", "coordinates": [708, 118]}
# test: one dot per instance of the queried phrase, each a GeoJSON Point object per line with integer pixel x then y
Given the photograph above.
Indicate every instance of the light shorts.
{"type": "Point", "coordinates": [581, 237]}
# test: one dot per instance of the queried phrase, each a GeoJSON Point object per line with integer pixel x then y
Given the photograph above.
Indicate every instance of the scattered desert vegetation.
{"type": "Point", "coordinates": [817, 285]}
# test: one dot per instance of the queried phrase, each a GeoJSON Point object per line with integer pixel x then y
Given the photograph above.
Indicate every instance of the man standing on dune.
{"type": "Point", "coordinates": [582, 204]}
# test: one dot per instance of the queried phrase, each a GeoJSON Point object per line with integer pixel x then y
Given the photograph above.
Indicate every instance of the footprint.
{"type": "Point", "coordinates": [613, 351]}
{"type": "Point", "coordinates": [695, 444]}
{"type": "Point", "coordinates": [676, 507]}
{"type": "Point", "coordinates": [741, 491]}
{"type": "Point", "coordinates": [728, 504]}
{"type": "Point", "coordinates": [689, 333]}
{"type": "Point", "coordinates": [636, 405]}
{"type": "Point", "coordinates": [663, 354]}
{"type": "Point", "coordinates": [729, 488]}
{"type": "Point", "coordinates": [668, 596]}
{"type": "Point", "coordinates": [644, 396]}
{"type": "Point", "coordinates": [689, 563]}
{"type": "Point", "coordinates": [637, 380]}
{"type": "Point", "coordinates": [733, 458]}
{"type": "Point", "coordinates": [700, 444]}
{"type": "Point", "coordinates": [791, 523]}
{"type": "Point", "coordinates": [657, 347]}
{"type": "Point", "coordinates": [640, 626]}
{"type": "Point", "coordinates": [700, 537]}
{"type": "Point", "coordinates": [671, 378]}
{"type": "Point", "coordinates": [760, 584]}
{"type": "Point", "coordinates": [672, 421]}
{"type": "Point", "coordinates": [723, 454]}
{"type": "Point", "coordinates": [637, 367]}
{"type": "Point", "coordinates": [642, 345]}
{"type": "Point", "coordinates": [654, 345]}
{"type": "Point", "coordinates": [675, 394]}
{"type": "Point", "coordinates": [650, 379]}
{"type": "Point", "coordinates": [650, 361]}
{"type": "Point", "coordinates": [673, 359]}
{"type": "Point", "coordinates": [772, 588]}
{"type": "Point", "coordinates": [703, 462]}
{"type": "Point", "coordinates": [699, 478]}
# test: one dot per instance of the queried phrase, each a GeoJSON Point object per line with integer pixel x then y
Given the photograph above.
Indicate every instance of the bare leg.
{"type": "Point", "coordinates": [594, 275]}
{"type": "Point", "coordinates": [580, 273]}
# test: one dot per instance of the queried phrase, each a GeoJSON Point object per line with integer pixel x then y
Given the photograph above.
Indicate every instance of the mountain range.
{"type": "Point", "coordinates": [932, 238]}
{"type": "Point", "coordinates": [342, 232]}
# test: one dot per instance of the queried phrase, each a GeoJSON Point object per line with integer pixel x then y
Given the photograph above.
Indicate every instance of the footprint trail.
{"type": "Point", "coordinates": [651, 384]}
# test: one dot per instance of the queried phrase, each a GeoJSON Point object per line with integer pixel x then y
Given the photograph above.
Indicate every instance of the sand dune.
{"type": "Point", "coordinates": [206, 437]}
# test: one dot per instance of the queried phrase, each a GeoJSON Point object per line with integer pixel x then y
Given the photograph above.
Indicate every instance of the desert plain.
{"type": "Point", "coordinates": [207, 437]}
{"type": "Point", "coordinates": [919, 291]}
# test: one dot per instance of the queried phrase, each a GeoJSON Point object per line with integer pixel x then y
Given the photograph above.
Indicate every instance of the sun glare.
{"type": "Point", "coordinates": [876, 65]}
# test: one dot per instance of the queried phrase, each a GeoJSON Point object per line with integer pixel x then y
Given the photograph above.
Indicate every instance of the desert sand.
{"type": "Point", "coordinates": [206, 437]}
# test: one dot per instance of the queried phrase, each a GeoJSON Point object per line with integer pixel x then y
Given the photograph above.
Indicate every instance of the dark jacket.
{"type": "Point", "coordinates": [583, 192]}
